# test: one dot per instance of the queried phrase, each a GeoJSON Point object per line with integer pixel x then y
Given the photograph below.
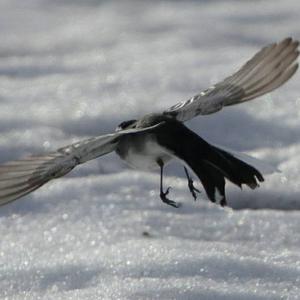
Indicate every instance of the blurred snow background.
{"type": "Point", "coordinates": [73, 69]}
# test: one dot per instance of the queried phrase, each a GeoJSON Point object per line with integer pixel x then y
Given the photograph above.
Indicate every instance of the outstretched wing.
{"type": "Point", "coordinates": [267, 70]}
{"type": "Point", "coordinates": [18, 178]}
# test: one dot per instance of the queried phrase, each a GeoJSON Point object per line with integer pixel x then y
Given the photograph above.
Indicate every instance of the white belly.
{"type": "Point", "coordinates": [143, 153]}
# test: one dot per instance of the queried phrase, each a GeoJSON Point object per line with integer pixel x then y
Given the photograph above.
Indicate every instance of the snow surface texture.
{"type": "Point", "coordinates": [73, 69]}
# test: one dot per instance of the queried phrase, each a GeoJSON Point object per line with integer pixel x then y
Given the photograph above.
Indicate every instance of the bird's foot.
{"type": "Point", "coordinates": [163, 197]}
{"type": "Point", "coordinates": [192, 189]}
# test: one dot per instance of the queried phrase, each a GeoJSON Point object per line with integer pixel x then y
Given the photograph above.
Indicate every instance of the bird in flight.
{"type": "Point", "coordinates": [156, 139]}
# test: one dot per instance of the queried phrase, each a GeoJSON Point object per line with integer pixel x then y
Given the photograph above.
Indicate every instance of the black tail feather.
{"type": "Point", "coordinates": [218, 165]}
{"type": "Point", "coordinates": [211, 164]}
{"type": "Point", "coordinates": [212, 180]}
{"type": "Point", "coordinates": [234, 169]}
{"type": "Point", "coordinates": [215, 165]}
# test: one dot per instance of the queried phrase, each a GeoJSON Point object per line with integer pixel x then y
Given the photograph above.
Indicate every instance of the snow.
{"type": "Point", "coordinates": [74, 69]}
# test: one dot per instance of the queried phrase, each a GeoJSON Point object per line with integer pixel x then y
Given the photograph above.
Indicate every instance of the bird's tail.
{"type": "Point", "coordinates": [213, 168]}
{"type": "Point", "coordinates": [213, 165]}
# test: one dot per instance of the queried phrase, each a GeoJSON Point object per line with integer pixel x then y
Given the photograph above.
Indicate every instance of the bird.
{"type": "Point", "coordinates": [154, 140]}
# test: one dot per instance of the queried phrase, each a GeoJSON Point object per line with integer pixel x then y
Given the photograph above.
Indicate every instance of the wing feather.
{"type": "Point", "coordinates": [268, 69]}
{"type": "Point", "coordinates": [18, 178]}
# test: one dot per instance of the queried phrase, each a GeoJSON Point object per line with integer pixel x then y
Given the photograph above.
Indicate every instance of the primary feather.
{"type": "Point", "coordinates": [265, 71]}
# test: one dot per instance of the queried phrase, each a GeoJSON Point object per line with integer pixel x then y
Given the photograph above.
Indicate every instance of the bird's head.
{"type": "Point", "coordinates": [126, 125]}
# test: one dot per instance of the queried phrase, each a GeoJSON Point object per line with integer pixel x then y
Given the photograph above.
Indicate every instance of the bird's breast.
{"type": "Point", "coordinates": [142, 151]}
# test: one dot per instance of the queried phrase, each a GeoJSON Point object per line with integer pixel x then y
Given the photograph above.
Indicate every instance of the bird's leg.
{"type": "Point", "coordinates": [192, 189]}
{"type": "Point", "coordinates": [163, 195]}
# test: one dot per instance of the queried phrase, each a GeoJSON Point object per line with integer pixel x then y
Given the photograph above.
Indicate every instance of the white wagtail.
{"type": "Point", "coordinates": [155, 139]}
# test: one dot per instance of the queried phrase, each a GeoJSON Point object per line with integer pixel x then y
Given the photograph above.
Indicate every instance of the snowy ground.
{"type": "Point", "coordinates": [72, 69]}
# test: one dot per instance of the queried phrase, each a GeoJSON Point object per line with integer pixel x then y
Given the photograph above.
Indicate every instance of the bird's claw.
{"type": "Point", "coordinates": [192, 189]}
{"type": "Point", "coordinates": [163, 197]}
{"type": "Point", "coordinates": [167, 191]}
